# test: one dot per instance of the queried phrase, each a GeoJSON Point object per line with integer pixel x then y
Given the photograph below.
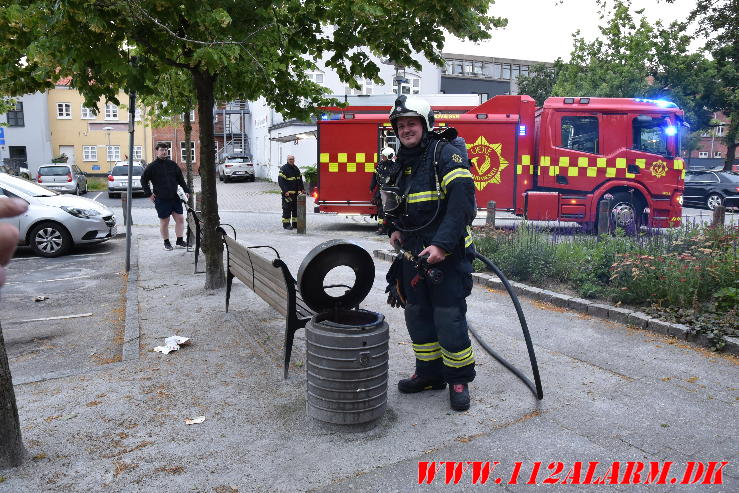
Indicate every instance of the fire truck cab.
{"type": "Point", "coordinates": [557, 162]}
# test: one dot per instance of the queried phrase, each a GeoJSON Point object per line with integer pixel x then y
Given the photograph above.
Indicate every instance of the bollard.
{"type": "Point", "coordinates": [301, 213]}
{"type": "Point", "coordinates": [124, 199]}
{"type": "Point", "coordinates": [604, 221]}
{"type": "Point", "coordinates": [490, 219]}
{"type": "Point", "coordinates": [719, 216]}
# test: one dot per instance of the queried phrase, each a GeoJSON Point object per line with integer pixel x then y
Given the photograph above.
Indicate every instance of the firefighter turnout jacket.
{"type": "Point", "coordinates": [290, 179]}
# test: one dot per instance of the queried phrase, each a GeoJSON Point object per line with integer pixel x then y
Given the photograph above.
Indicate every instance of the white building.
{"type": "Point", "coordinates": [26, 129]}
{"type": "Point", "coordinates": [272, 139]}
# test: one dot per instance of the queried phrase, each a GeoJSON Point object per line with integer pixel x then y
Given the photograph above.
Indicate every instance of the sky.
{"type": "Point", "coordinates": [541, 30]}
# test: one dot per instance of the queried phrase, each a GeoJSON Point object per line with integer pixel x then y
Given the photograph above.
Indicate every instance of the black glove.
{"type": "Point", "coordinates": [395, 296]}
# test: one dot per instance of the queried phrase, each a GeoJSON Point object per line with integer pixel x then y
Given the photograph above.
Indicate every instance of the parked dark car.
{"type": "Point", "coordinates": [711, 189]}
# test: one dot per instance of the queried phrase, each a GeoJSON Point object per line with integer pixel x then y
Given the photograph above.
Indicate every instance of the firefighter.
{"type": "Point", "coordinates": [379, 177]}
{"type": "Point", "coordinates": [291, 184]}
{"type": "Point", "coordinates": [430, 205]}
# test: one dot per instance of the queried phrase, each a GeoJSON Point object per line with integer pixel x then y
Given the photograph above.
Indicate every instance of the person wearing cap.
{"type": "Point", "coordinates": [379, 177]}
{"type": "Point", "coordinates": [291, 184]}
{"type": "Point", "coordinates": [430, 216]}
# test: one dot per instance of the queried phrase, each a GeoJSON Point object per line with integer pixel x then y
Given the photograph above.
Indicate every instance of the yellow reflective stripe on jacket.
{"type": "Point", "coordinates": [468, 238]}
{"type": "Point", "coordinates": [422, 196]}
{"type": "Point", "coordinates": [458, 360]}
{"type": "Point", "coordinates": [427, 352]}
{"type": "Point", "coordinates": [453, 175]}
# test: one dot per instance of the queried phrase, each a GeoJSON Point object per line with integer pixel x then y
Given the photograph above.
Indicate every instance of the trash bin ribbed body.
{"type": "Point", "coordinates": [347, 367]}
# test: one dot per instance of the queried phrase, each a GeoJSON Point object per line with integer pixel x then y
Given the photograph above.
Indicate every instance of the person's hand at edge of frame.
{"type": "Point", "coordinates": [9, 233]}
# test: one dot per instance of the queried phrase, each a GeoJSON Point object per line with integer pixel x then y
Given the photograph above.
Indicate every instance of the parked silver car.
{"type": "Point", "coordinates": [236, 167]}
{"type": "Point", "coordinates": [54, 223]}
{"type": "Point", "coordinates": [64, 178]}
{"type": "Point", "coordinates": [118, 180]}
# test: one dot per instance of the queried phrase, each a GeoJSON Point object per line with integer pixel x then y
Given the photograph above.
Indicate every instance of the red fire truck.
{"type": "Point", "coordinates": [551, 163]}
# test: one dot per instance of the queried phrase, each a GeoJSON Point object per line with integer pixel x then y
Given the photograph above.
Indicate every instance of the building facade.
{"type": "Point", "coordinates": [26, 133]}
{"type": "Point", "coordinates": [485, 76]}
{"type": "Point", "coordinates": [711, 151]}
{"type": "Point", "coordinates": [94, 138]}
{"type": "Point", "coordinates": [174, 138]}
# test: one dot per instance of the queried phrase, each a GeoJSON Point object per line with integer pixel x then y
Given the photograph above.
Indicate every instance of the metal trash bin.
{"type": "Point", "coordinates": [346, 348]}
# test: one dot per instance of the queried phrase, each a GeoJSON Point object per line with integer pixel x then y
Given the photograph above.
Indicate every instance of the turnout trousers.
{"type": "Point", "coordinates": [289, 211]}
{"type": "Point", "coordinates": [435, 315]}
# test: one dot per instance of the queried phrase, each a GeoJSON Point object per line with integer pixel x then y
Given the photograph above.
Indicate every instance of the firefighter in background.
{"type": "Point", "coordinates": [379, 177]}
{"type": "Point", "coordinates": [291, 184]}
{"type": "Point", "coordinates": [429, 206]}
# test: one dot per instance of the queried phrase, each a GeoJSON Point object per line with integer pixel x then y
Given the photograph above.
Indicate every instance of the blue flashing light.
{"type": "Point", "coordinates": [670, 130]}
{"type": "Point", "coordinates": [522, 130]}
{"type": "Point", "coordinates": [662, 103]}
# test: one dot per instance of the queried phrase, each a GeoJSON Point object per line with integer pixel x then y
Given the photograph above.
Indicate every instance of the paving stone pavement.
{"type": "Point", "coordinates": [612, 393]}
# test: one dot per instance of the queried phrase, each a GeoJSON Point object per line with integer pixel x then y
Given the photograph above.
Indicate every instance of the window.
{"type": "Point", "coordinates": [717, 154]}
{"type": "Point", "coordinates": [114, 153]}
{"type": "Point", "coordinates": [111, 111]}
{"type": "Point", "coordinates": [138, 152]}
{"type": "Point", "coordinates": [525, 70]}
{"type": "Point", "coordinates": [89, 153]}
{"type": "Point", "coordinates": [316, 76]}
{"type": "Point", "coordinates": [15, 116]}
{"type": "Point", "coordinates": [477, 69]}
{"type": "Point", "coordinates": [366, 86]}
{"type": "Point", "coordinates": [506, 70]}
{"type": "Point", "coordinates": [580, 133]}
{"type": "Point", "coordinates": [87, 113]}
{"type": "Point", "coordinates": [516, 71]}
{"type": "Point", "coordinates": [649, 135]}
{"type": "Point", "coordinates": [458, 67]}
{"type": "Point", "coordinates": [497, 67]}
{"type": "Point", "coordinates": [719, 131]}
{"type": "Point", "coordinates": [448, 67]}
{"type": "Point", "coordinates": [706, 133]}
{"type": "Point", "coordinates": [64, 111]}
{"type": "Point", "coordinates": [169, 147]}
{"type": "Point", "coordinates": [484, 96]}
{"type": "Point", "coordinates": [137, 114]}
{"type": "Point", "coordinates": [183, 152]}
{"type": "Point", "coordinates": [468, 67]}
{"type": "Point", "coordinates": [487, 69]}
{"type": "Point", "coordinates": [412, 85]}
{"type": "Point", "coordinates": [192, 116]}
{"type": "Point", "coordinates": [702, 154]}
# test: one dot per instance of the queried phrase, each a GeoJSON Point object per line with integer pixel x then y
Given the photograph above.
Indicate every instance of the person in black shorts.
{"type": "Point", "coordinates": [165, 175]}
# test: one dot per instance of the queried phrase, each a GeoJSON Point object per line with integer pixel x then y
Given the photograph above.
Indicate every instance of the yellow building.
{"type": "Point", "coordinates": [94, 138]}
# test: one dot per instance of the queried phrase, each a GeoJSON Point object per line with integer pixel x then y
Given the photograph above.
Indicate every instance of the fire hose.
{"type": "Point", "coordinates": [435, 276]}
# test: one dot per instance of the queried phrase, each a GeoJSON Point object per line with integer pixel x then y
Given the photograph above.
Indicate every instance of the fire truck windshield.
{"type": "Point", "coordinates": [655, 135]}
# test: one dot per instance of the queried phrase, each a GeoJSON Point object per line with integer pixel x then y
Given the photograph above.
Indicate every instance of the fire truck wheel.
{"type": "Point", "coordinates": [627, 211]}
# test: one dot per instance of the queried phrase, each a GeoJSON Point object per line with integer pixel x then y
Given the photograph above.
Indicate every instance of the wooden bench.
{"type": "Point", "coordinates": [194, 235]}
{"type": "Point", "coordinates": [270, 280]}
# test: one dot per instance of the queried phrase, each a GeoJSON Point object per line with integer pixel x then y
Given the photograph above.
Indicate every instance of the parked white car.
{"type": "Point", "coordinates": [53, 222]}
{"type": "Point", "coordinates": [118, 179]}
{"type": "Point", "coordinates": [236, 168]}
{"type": "Point", "coordinates": [66, 178]}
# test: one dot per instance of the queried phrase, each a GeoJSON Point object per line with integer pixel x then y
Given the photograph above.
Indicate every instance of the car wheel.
{"type": "Point", "coordinates": [626, 211]}
{"type": "Point", "coordinates": [714, 200]}
{"type": "Point", "coordinates": [220, 176]}
{"type": "Point", "coordinates": [226, 179]}
{"type": "Point", "coordinates": [50, 239]}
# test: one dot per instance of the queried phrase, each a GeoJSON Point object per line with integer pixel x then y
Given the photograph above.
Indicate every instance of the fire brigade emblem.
{"type": "Point", "coordinates": [488, 162]}
{"type": "Point", "coordinates": [659, 169]}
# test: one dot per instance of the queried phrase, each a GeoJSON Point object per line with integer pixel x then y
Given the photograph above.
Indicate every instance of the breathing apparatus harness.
{"type": "Point", "coordinates": [394, 202]}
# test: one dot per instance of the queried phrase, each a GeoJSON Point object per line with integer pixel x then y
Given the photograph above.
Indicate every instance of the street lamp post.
{"type": "Point", "coordinates": [107, 149]}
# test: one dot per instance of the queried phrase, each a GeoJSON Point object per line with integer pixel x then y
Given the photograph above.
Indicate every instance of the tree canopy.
{"type": "Point", "coordinates": [232, 50]}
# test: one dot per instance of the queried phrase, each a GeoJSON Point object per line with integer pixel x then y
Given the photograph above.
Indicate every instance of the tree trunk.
{"type": "Point", "coordinates": [214, 273]}
{"type": "Point", "coordinates": [11, 444]}
{"type": "Point", "coordinates": [731, 140]}
{"type": "Point", "coordinates": [188, 159]}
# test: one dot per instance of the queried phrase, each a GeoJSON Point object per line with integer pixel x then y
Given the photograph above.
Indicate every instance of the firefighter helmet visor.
{"type": "Point", "coordinates": [388, 152]}
{"type": "Point", "coordinates": [391, 199]}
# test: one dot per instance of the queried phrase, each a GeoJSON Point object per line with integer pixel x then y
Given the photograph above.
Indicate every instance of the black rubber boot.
{"type": "Point", "coordinates": [419, 384]}
{"type": "Point", "coordinates": [459, 397]}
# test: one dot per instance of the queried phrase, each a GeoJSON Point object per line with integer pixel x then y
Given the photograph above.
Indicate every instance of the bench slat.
{"type": "Point", "coordinates": [274, 299]}
{"type": "Point", "coordinates": [273, 273]}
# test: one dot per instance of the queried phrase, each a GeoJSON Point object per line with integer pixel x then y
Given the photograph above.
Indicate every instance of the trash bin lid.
{"type": "Point", "coordinates": [321, 260]}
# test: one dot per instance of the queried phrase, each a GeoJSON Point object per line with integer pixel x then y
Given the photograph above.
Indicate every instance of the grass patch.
{"type": "Point", "coordinates": [688, 275]}
{"type": "Point", "coordinates": [97, 183]}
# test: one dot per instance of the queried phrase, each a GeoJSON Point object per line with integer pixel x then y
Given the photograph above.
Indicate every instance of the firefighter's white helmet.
{"type": "Point", "coordinates": [412, 106]}
{"type": "Point", "coordinates": [388, 152]}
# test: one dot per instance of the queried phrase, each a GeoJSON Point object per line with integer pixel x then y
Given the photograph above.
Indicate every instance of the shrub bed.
{"type": "Point", "coordinates": [688, 275]}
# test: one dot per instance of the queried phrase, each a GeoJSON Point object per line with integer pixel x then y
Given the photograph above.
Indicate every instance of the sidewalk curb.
{"type": "Point", "coordinates": [132, 331]}
{"type": "Point", "coordinates": [601, 310]}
